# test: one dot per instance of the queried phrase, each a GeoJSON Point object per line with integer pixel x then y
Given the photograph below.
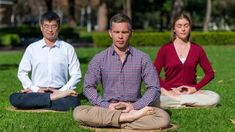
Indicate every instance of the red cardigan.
{"type": "Point", "coordinates": [178, 74]}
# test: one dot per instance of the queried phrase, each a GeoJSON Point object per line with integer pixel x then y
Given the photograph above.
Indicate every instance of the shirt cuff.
{"type": "Point", "coordinates": [105, 104]}
{"type": "Point", "coordinates": [66, 88]}
{"type": "Point", "coordinates": [34, 88]}
{"type": "Point", "coordinates": [137, 106]}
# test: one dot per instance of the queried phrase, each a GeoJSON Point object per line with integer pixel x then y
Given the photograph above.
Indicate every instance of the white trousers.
{"type": "Point", "coordinates": [207, 99]}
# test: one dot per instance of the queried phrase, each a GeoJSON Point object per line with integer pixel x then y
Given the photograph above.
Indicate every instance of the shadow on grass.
{"type": "Point", "coordinates": [82, 98]}
{"type": "Point", "coordinates": [8, 66]}
{"type": "Point", "coordinates": [169, 112]}
{"type": "Point", "coordinates": [218, 105]}
{"type": "Point", "coordinates": [84, 60]}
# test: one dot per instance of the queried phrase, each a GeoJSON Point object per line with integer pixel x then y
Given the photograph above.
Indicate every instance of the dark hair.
{"type": "Point", "coordinates": [176, 18]}
{"type": "Point", "coordinates": [120, 18]}
{"type": "Point", "coordinates": [50, 16]}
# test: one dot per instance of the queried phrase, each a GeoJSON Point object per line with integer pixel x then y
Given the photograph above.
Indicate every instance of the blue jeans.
{"type": "Point", "coordinates": [42, 101]}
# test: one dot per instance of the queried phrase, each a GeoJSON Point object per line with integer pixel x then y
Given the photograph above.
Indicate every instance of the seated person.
{"type": "Point", "coordinates": [120, 69]}
{"type": "Point", "coordinates": [180, 58]}
{"type": "Point", "coordinates": [50, 60]}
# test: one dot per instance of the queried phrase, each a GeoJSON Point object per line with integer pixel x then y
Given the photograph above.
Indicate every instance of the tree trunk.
{"type": "Point", "coordinates": [177, 8]}
{"type": "Point", "coordinates": [49, 5]}
{"type": "Point", "coordinates": [207, 17]}
{"type": "Point", "coordinates": [88, 9]}
{"type": "Point", "coordinates": [72, 19]}
{"type": "Point", "coordinates": [161, 21]}
{"type": "Point", "coordinates": [82, 17]}
{"type": "Point", "coordinates": [102, 17]}
{"type": "Point", "coordinates": [127, 8]}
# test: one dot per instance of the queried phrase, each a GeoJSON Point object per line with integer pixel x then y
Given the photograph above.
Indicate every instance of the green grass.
{"type": "Point", "coordinates": [210, 120]}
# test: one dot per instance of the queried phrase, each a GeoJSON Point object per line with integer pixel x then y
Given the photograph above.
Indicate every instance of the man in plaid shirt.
{"type": "Point", "coordinates": [121, 69]}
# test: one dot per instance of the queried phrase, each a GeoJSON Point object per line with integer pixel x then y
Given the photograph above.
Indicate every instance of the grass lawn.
{"type": "Point", "coordinates": [204, 120]}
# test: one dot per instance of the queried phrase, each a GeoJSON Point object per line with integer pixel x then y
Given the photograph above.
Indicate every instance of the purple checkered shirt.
{"type": "Point", "coordinates": [122, 81]}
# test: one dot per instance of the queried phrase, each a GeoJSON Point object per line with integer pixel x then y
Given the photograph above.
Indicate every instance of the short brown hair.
{"type": "Point", "coordinates": [120, 18]}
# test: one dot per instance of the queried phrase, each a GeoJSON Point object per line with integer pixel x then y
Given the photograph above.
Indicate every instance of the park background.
{"type": "Point", "coordinates": [85, 25]}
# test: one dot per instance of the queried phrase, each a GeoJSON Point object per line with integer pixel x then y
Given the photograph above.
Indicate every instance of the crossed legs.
{"type": "Point", "coordinates": [60, 101]}
{"type": "Point", "coordinates": [146, 118]}
{"type": "Point", "coordinates": [205, 98]}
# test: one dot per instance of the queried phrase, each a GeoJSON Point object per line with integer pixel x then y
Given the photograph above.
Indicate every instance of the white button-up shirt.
{"type": "Point", "coordinates": [50, 66]}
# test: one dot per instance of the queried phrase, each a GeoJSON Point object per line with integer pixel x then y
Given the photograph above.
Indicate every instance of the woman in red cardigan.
{"type": "Point", "coordinates": [180, 58]}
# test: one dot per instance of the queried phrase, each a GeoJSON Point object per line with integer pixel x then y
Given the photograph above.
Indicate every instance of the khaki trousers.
{"type": "Point", "coordinates": [207, 99]}
{"type": "Point", "coordinates": [101, 117]}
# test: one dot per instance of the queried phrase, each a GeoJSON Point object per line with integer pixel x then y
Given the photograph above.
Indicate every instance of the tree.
{"type": "Point", "coordinates": [49, 4]}
{"type": "Point", "coordinates": [72, 19]}
{"type": "Point", "coordinates": [21, 9]}
{"type": "Point", "coordinates": [147, 14]}
{"type": "Point", "coordinates": [225, 7]}
{"type": "Point", "coordinates": [127, 8]}
{"type": "Point", "coordinates": [165, 17]}
{"type": "Point", "coordinates": [102, 16]}
{"type": "Point", "coordinates": [207, 17]}
{"type": "Point", "coordinates": [177, 8]}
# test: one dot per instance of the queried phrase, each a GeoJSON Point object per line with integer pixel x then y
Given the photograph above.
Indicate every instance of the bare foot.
{"type": "Point", "coordinates": [136, 114]}
{"type": "Point", "coordinates": [120, 107]}
{"type": "Point", "coordinates": [61, 94]}
{"type": "Point", "coordinates": [199, 92]}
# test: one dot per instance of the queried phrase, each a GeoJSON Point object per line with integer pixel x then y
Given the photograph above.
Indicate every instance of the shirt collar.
{"type": "Point", "coordinates": [56, 44]}
{"type": "Point", "coordinates": [129, 51]}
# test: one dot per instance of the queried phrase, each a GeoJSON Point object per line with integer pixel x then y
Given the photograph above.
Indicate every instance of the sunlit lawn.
{"type": "Point", "coordinates": [205, 120]}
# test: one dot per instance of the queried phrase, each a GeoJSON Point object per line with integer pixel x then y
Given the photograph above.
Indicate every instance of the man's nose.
{"type": "Point", "coordinates": [120, 35]}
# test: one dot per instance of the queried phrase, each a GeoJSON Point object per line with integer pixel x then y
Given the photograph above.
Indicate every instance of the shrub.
{"type": "Point", "coordinates": [157, 39]}
{"type": "Point", "coordinates": [149, 39]}
{"type": "Point", "coordinates": [101, 39]}
{"type": "Point", "coordinates": [214, 38]}
{"type": "Point", "coordinates": [68, 34]}
{"type": "Point", "coordinates": [138, 39]}
{"type": "Point", "coordinates": [9, 40]}
{"type": "Point", "coordinates": [29, 34]}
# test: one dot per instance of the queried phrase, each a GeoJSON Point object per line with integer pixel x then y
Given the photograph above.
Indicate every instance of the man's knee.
{"type": "Point", "coordinates": [165, 119]}
{"type": "Point", "coordinates": [65, 104]}
{"type": "Point", "coordinates": [88, 115]}
{"type": "Point", "coordinates": [74, 102]}
{"type": "Point", "coordinates": [15, 99]}
{"type": "Point", "coordinates": [80, 113]}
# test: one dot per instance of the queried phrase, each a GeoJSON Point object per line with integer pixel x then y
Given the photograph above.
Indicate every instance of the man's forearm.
{"type": "Point", "coordinates": [149, 98]}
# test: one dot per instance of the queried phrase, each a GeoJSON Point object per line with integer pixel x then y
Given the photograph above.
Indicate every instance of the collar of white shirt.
{"type": "Point", "coordinates": [56, 44]}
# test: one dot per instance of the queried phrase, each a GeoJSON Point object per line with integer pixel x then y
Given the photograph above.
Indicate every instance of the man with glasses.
{"type": "Point", "coordinates": [49, 62]}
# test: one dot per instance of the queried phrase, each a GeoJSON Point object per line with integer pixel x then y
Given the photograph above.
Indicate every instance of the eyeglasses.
{"type": "Point", "coordinates": [47, 27]}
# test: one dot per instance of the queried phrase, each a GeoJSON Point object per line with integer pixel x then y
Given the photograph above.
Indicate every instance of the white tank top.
{"type": "Point", "coordinates": [183, 60]}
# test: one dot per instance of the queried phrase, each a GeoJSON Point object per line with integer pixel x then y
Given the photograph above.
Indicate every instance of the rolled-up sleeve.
{"type": "Point", "coordinates": [92, 78]}
{"type": "Point", "coordinates": [150, 78]}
